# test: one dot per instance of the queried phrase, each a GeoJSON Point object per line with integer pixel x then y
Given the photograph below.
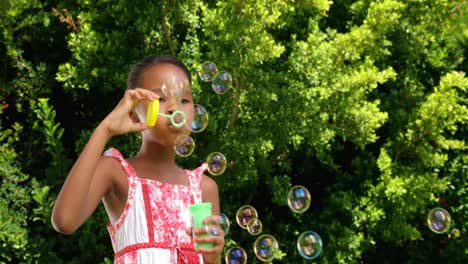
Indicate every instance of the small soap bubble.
{"type": "Point", "coordinates": [456, 233]}
{"type": "Point", "coordinates": [266, 247]}
{"type": "Point", "coordinates": [245, 214]}
{"type": "Point", "coordinates": [184, 145]}
{"type": "Point", "coordinates": [207, 71]}
{"type": "Point", "coordinates": [224, 223]}
{"type": "Point", "coordinates": [299, 199]}
{"type": "Point", "coordinates": [200, 119]}
{"type": "Point", "coordinates": [254, 226]}
{"type": "Point", "coordinates": [222, 82]}
{"type": "Point", "coordinates": [439, 220]}
{"type": "Point", "coordinates": [217, 163]}
{"type": "Point", "coordinates": [309, 245]}
{"type": "Point", "coordinates": [236, 255]}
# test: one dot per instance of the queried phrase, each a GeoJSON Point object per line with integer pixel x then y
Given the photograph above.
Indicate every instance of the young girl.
{"type": "Point", "coordinates": [147, 196]}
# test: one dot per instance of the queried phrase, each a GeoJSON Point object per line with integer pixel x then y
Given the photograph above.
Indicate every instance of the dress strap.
{"type": "Point", "coordinates": [128, 169]}
{"type": "Point", "coordinates": [195, 177]}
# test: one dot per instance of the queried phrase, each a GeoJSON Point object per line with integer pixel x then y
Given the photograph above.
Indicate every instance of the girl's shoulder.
{"type": "Point", "coordinates": [207, 184]}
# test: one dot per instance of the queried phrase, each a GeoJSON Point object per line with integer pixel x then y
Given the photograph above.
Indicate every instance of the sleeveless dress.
{"type": "Point", "coordinates": [151, 229]}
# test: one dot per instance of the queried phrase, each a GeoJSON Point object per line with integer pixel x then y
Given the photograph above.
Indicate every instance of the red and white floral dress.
{"type": "Point", "coordinates": [152, 226]}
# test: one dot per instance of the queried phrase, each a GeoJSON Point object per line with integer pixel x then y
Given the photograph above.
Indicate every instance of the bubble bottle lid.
{"type": "Point", "coordinates": [152, 113]}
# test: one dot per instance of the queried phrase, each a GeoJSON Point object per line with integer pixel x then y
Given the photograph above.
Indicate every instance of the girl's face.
{"type": "Point", "coordinates": [171, 84]}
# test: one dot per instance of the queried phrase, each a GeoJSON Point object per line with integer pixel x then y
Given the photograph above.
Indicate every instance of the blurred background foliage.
{"type": "Point", "coordinates": [363, 102]}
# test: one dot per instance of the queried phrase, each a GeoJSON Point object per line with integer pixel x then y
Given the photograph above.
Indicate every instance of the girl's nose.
{"type": "Point", "coordinates": [171, 107]}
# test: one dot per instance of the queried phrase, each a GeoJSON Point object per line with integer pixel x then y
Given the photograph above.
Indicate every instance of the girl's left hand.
{"type": "Point", "coordinates": [215, 236]}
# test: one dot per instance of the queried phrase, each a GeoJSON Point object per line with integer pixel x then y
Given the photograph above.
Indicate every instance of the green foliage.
{"type": "Point", "coordinates": [363, 102]}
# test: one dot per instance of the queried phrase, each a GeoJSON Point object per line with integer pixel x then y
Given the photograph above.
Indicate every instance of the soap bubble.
{"type": "Point", "coordinates": [236, 255]}
{"type": "Point", "coordinates": [217, 163]}
{"type": "Point", "coordinates": [309, 245]}
{"type": "Point", "coordinates": [244, 214]}
{"type": "Point", "coordinates": [455, 233]}
{"type": "Point", "coordinates": [299, 199]}
{"type": "Point", "coordinates": [175, 88]}
{"type": "Point", "coordinates": [224, 223]}
{"type": "Point", "coordinates": [266, 247]}
{"type": "Point", "coordinates": [439, 220]}
{"type": "Point", "coordinates": [184, 145]}
{"type": "Point", "coordinates": [200, 119]}
{"type": "Point", "coordinates": [207, 71]}
{"type": "Point", "coordinates": [222, 82]}
{"type": "Point", "coordinates": [254, 226]}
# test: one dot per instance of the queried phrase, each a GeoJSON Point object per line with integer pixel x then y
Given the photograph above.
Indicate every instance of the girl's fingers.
{"type": "Point", "coordinates": [213, 230]}
{"type": "Point", "coordinates": [213, 250]}
{"type": "Point", "coordinates": [133, 96]}
{"type": "Point", "coordinates": [138, 127]}
{"type": "Point", "coordinates": [212, 219]}
{"type": "Point", "coordinates": [145, 94]}
{"type": "Point", "coordinates": [210, 239]}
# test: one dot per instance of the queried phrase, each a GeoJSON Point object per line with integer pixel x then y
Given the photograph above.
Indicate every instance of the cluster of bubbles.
{"type": "Point", "coordinates": [266, 247]}
{"type": "Point", "coordinates": [247, 218]}
{"type": "Point", "coordinates": [221, 81]}
{"type": "Point", "coordinates": [184, 145]}
{"type": "Point", "coordinates": [309, 243]}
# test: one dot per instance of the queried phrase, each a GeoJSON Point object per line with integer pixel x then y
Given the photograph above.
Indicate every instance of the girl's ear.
{"type": "Point", "coordinates": [134, 117]}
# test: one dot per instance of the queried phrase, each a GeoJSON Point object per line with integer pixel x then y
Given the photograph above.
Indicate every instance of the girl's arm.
{"type": "Point", "coordinates": [91, 177]}
{"type": "Point", "coordinates": [77, 199]}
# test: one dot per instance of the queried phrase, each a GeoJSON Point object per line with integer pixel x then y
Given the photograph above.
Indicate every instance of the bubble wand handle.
{"type": "Point", "coordinates": [153, 112]}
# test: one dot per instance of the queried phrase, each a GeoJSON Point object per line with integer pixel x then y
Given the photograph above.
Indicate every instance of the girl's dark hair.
{"type": "Point", "coordinates": [152, 60]}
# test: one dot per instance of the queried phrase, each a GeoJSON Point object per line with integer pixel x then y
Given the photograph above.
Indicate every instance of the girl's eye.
{"type": "Point", "coordinates": [185, 101]}
{"type": "Point", "coordinates": [161, 100]}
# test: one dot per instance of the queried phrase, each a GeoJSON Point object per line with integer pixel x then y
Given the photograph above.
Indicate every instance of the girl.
{"type": "Point", "coordinates": [146, 197]}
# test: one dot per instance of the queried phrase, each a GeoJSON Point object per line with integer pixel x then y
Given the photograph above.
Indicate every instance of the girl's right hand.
{"type": "Point", "coordinates": [122, 119]}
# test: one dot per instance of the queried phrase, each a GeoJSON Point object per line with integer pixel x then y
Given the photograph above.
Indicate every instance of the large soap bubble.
{"type": "Point", "coordinates": [299, 199]}
{"type": "Point", "coordinates": [217, 163]}
{"type": "Point", "coordinates": [439, 220]}
{"type": "Point", "coordinates": [207, 71]}
{"type": "Point", "coordinates": [309, 245]}
{"type": "Point", "coordinates": [266, 247]}
{"type": "Point", "coordinates": [236, 255]}
{"type": "Point", "coordinates": [184, 145]}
